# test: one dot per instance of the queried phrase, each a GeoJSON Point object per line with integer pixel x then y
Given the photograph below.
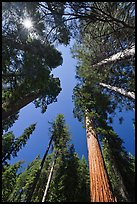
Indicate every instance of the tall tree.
{"type": "Point", "coordinates": [84, 181]}
{"type": "Point", "coordinates": [116, 157]}
{"type": "Point", "coordinates": [119, 90]}
{"type": "Point", "coordinates": [105, 54]}
{"type": "Point", "coordinates": [66, 182]}
{"type": "Point", "coordinates": [129, 52]}
{"type": "Point", "coordinates": [60, 183]}
{"type": "Point", "coordinates": [11, 145]}
{"type": "Point", "coordinates": [9, 176]}
{"type": "Point", "coordinates": [89, 96]}
{"type": "Point", "coordinates": [24, 182]}
{"type": "Point", "coordinates": [87, 99]}
{"type": "Point", "coordinates": [70, 175]}
{"type": "Point", "coordinates": [29, 198]}
{"type": "Point", "coordinates": [20, 74]}
{"type": "Point", "coordinates": [100, 187]}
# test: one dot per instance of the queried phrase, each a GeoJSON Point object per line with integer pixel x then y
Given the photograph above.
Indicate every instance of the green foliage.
{"type": "Point", "coordinates": [84, 181]}
{"type": "Point", "coordinates": [60, 132]}
{"type": "Point", "coordinates": [9, 179]}
{"type": "Point", "coordinates": [9, 122]}
{"type": "Point", "coordinates": [66, 184]}
{"type": "Point", "coordinates": [27, 61]}
{"type": "Point", "coordinates": [89, 97]}
{"type": "Point", "coordinates": [49, 94]}
{"type": "Point", "coordinates": [110, 33]}
{"type": "Point", "coordinates": [24, 182]}
{"type": "Point", "coordinates": [70, 179]}
{"type": "Point", "coordinates": [99, 41]}
{"type": "Point", "coordinates": [120, 166]}
{"type": "Point", "coordinates": [11, 145]}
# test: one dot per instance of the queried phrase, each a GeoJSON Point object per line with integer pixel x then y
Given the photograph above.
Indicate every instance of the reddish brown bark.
{"type": "Point", "coordinates": [99, 182]}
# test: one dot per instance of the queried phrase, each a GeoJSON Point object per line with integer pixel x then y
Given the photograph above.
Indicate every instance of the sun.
{"type": "Point", "coordinates": [27, 23]}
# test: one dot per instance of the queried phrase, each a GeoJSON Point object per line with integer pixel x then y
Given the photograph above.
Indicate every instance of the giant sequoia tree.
{"type": "Point", "coordinates": [87, 104]}
{"type": "Point", "coordinates": [105, 59]}
{"type": "Point", "coordinates": [105, 34]}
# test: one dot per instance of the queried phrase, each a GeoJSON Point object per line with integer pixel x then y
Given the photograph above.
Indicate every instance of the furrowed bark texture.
{"type": "Point", "coordinates": [100, 189]}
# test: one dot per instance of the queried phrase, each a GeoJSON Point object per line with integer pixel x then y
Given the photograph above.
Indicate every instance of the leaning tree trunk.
{"type": "Point", "coordinates": [16, 106]}
{"type": "Point", "coordinates": [48, 182]}
{"type": "Point", "coordinates": [29, 199]}
{"type": "Point", "coordinates": [129, 52]}
{"type": "Point", "coordinates": [100, 189]}
{"type": "Point", "coordinates": [123, 92]}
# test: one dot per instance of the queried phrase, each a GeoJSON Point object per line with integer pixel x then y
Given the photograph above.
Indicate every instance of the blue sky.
{"type": "Point", "coordinates": [38, 141]}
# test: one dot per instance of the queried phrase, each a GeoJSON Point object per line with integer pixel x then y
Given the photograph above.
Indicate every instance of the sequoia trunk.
{"type": "Point", "coordinates": [100, 189]}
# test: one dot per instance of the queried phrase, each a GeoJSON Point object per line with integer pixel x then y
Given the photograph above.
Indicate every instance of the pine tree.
{"type": "Point", "coordinates": [66, 184]}
{"type": "Point", "coordinates": [39, 171]}
{"type": "Point", "coordinates": [84, 181]}
{"type": "Point", "coordinates": [69, 180]}
{"type": "Point", "coordinates": [9, 177]}
{"type": "Point", "coordinates": [106, 56]}
{"type": "Point", "coordinates": [24, 182]}
{"type": "Point", "coordinates": [116, 157]}
{"type": "Point", "coordinates": [11, 145]}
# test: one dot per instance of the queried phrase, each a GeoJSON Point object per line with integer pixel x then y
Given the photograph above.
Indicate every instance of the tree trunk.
{"type": "Point", "coordinates": [100, 189]}
{"type": "Point", "coordinates": [48, 182]}
{"type": "Point", "coordinates": [15, 107]}
{"type": "Point", "coordinates": [29, 199]}
{"type": "Point", "coordinates": [120, 55]}
{"type": "Point", "coordinates": [128, 94]}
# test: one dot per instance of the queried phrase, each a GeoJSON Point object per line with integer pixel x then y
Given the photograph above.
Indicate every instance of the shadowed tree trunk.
{"type": "Point", "coordinates": [118, 56]}
{"type": "Point", "coordinates": [29, 199]}
{"type": "Point", "coordinates": [123, 92]}
{"type": "Point", "coordinates": [15, 107]}
{"type": "Point", "coordinates": [100, 189]}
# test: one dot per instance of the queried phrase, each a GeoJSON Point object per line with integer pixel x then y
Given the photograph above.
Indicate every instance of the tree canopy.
{"type": "Point", "coordinates": [104, 35]}
{"type": "Point", "coordinates": [22, 77]}
{"type": "Point", "coordinates": [70, 179]}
